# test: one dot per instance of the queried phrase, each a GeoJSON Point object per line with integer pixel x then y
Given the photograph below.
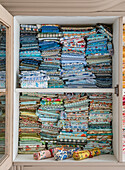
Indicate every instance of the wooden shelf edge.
{"type": "Point", "coordinates": [62, 90]}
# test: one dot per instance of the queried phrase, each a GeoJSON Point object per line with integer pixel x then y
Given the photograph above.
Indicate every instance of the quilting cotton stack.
{"type": "Point", "coordinates": [30, 56]}
{"type": "Point", "coordinates": [2, 123]}
{"type": "Point", "coordinates": [99, 53]}
{"type": "Point", "coordinates": [33, 79]}
{"type": "Point", "coordinates": [29, 127]}
{"type": "Point", "coordinates": [100, 122]}
{"type": "Point", "coordinates": [2, 56]}
{"type": "Point", "coordinates": [73, 57]}
{"type": "Point", "coordinates": [49, 44]}
{"type": "Point", "coordinates": [74, 120]}
{"type": "Point", "coordinates": [49, 112]}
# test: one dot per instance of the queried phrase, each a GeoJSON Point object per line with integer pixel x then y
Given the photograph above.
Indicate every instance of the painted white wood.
{"type": "Point", "coordinates": [65, 19]}
{"type": "Point", "coordinates": [120, 43]}
{"type": "Point", "coordinates": [75, 168]}
{"type": "Point", "coordinates": [16, 95]}
{"type": "Point", "coordinates": [61, 90]}
{"type": "Point", "coordinates": [7, 19]}
{"type": "Point", "coordinates": [123, 157]}
{"type": "Point", "coordinates": [65, 7]}
{"type": "Point", "coordinates": [115, 81]}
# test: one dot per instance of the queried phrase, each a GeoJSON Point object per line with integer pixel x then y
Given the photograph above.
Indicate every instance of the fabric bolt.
{"type": "Point", "coordinates": [62, 155]}
{"type": "Point", "coordinates": [45, 154]}
{"type": "Point", "coordinates": [80, 155]}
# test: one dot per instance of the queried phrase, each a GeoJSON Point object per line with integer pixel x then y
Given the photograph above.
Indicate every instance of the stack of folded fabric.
{"type": "Point", "coordinates": [99, 52]}
{"type": "Point", "coordinates": [123, 123]}
{"type": "Point", "coordinates": [123, 64]}
{"type": "Point", "coordinates": [49, 112]}
{"type": "Point", "coordinates": [2, 56]}
{"type": "Point", "coordinates": [74, 120]}
{"type": "Point", "coordinates": [49, 44]}
{"type": "Point", "coordinates": [73, 57]}
{"type": "Point", "coordinates": [29, 127]}
{"type": "Point", "coordinates": [100, 116]}
{"type": "Point", "coordinates": [30, 56]}
{"type": "Point", "coordinates": [2, 124]}
{"type": "Point", "coordinates": [34, 79]}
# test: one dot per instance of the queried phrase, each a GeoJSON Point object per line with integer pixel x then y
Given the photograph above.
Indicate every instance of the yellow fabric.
{"type": "Point", "coordinates": [79, 155]}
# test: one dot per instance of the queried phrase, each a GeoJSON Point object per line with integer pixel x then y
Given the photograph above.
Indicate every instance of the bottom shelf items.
{"type": "Point", "coordinates": [28, 158]}
{"type": "Point", "coordinates": [68, 120]}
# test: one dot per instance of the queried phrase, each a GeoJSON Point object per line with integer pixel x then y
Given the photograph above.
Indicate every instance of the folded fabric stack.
{"type": "Point", "coordinates": [49, 44]}
{"type": "Point", "coordinates": [34, 79]}
{"type": "Point", "coordinates": [65, 119]}
{"type": "Point", "coordinates": [73, 57]}
{"type": "Point", "coordinates": [2, 56]}
{"type": "Point", "coordinates": [123, 123]}
{"type": "Point", "coordinates": [2, 124]}
{"type": "Point", "coordinates": [74, 120]}
{"type": "Point", "coordinates": [99, 52]}
{"type": "Point", "coordinates": [100, 116]}
{"type": "Point", "coordinates": [49, 112]}
{"type": "Point", "coordinates": [29, 127]}
{"type": "Point", "coordinates": [77, 57]}
{"type": "Point", "coordinates": [123, 64]}
{"type": "Point", "coordinates": [30, 56]}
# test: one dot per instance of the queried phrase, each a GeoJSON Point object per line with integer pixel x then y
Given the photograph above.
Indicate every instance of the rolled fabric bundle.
{"type": "Point", "coordinates": [79, 155]}
{"type": "Point", "coordinates": [45, 154]}
{"type": "Point", "coordinates": [61, 154]}
{"type": "Point", "coordinates": [42, 155]}
{"type": "Point", "coordinates": [54, 151]}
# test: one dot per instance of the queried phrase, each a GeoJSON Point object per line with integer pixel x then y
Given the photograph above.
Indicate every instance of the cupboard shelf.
{"type": "Point", "coordinates": [59, 90]}
{"type": "Point", "coordinates": [27, 158]}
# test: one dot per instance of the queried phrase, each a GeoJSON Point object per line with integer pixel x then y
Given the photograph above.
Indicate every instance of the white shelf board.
{"type": "Point", "coordinates": [123, 157]}
{"type": "Point", "coordinates": [75, 90]}
{"type": "Point", "coordinates": [2, 90]}
{"type": "Point", "coordinates": [28, 158]}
